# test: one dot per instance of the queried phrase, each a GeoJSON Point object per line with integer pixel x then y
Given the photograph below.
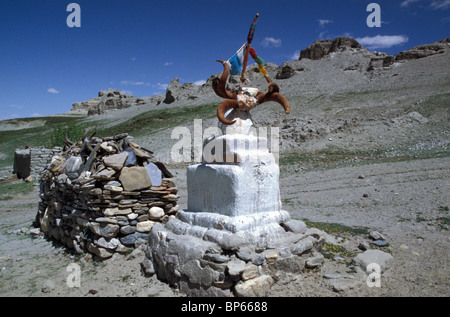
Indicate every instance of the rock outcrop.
{"type": "Point", "coordinates": [424, 50]}
{"type": "Point", "coordinates": [109, 99]}
{"type": "Point", "coordinates": [347, 61]}
{"type": "Point", "coordinates": [177, 91]}
{"type": "Point", "coordinates": [320, 49]}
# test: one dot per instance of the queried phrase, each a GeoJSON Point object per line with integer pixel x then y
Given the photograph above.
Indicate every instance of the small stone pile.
{"type": "Point", "coordinates": [101, 195]}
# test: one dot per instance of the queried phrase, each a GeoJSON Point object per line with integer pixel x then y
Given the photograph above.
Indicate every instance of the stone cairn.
{"type": "Point", "coordinates": [234, 238]}
{"type": "Point", "coordinates": [102, 195]}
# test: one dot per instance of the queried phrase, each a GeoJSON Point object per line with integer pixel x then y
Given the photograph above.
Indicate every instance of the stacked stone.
{"type": "Point", "coordinates": [234, 238]}
{"type": "Point", "coordinates": [94, 200]}
{"type": "Point", "coordinates": [202, 267]}
{"type": "Point", "coordinates": [40, 157]}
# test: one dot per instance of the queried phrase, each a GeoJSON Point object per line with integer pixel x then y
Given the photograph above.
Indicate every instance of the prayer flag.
{"type": "Point", "coordinates": [237, 61]}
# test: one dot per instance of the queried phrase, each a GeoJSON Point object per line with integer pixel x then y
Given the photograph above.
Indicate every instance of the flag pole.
{"type": "Point", "coordinates": [247, 51]}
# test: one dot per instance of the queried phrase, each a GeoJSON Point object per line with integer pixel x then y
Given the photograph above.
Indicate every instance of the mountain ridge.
{"type": "Point", "coordinates": [320, 50]}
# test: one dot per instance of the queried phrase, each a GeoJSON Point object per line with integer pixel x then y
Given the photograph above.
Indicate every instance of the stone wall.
{"type": "Point", "coordinates": [99, 217]}
{"type": "Point", "coordinates": [40, 158]}
{"type": "Point", "coordinates": [35, 160]}
{"type": "Point", "coordinates": [102, 195]}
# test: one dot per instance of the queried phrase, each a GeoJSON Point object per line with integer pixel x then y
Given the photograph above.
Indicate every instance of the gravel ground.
{"type": "Point", "coordinates": [405, 201]}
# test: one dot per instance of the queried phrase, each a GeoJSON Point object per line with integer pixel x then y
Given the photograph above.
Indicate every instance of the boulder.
{"type": "Point", "coordinates": [135, 178]}
{"type": "Point", "coordinates": [383, 259]}
{"type": "Point", "coordinates": [100, 252]}
{"type": "Point", "coordinates": [286, 71]}
{"type": "Point", "coordinates": [302, 246]}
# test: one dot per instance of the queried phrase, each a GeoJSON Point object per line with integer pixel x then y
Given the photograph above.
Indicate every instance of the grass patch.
{"type": "Point", "coordinates": [48, 135]}
{"type": "Point", "coordinates": [330, 251]}
{"type": "Point", "coordinates": [329, 158]}
{"type": "Point", "coordinates": [443, 223]}
{"type": "Point", "coordinates": [336, 229]}
{"type": "Point", "coordinates": [10, 190]}
{"type": "Point", "coordinates": [435, 105]}
{"type": "Point", "coordinates": [52, 133]}
{"type": "Point", "coordinates": [288, 202]}
{"type": "Point", "coordinates": [334, 157]}
{"type": "Point", "coordinates": [154, 121]}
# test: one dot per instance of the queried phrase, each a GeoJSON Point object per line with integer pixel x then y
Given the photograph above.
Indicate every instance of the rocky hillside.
{"type": "Point", "coordinates": [338, 90]}
{"type": "Point", "coordinates": [326, 66]}
{"type": "Point", "coordinates": [110, 99]}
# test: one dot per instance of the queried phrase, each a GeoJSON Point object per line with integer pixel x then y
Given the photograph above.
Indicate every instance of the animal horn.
{"type": "Point", "coordinates": [223, 107]}
{"type": "Point", "coordinates": [67, 138]}
{"type": "Point", "coordinates": [276, 97]}
{"type": "Point", "coordinates": [219, 84]}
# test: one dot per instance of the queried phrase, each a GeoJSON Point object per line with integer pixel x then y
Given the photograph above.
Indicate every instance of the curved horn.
{"type": "Point", "coordinates": [271, 85]}
{"type": "Point", "coordinates": [86, 131]}
{"type": "Point", "coordinates": [67, 138]}
{"type": "Point", "coordinates": [223, 107]}
{"type": "Point", "coordinates": [219, 85]}
{"type": "Point", "coordinates": [276, 97]}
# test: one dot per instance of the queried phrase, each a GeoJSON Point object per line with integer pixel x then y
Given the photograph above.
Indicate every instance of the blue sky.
{"type": "Point", "coordinates": [139, 46]}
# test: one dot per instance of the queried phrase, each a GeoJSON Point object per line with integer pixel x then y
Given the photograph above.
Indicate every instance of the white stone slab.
{"type": "Point", "coordinates": [233, 190]}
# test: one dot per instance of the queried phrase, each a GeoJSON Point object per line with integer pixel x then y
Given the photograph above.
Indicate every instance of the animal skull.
{"type": "Point", "coordinates": [247, 98]}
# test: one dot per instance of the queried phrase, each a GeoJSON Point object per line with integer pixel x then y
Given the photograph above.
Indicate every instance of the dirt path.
{"type": "Point", "coordinates": [406, 201]}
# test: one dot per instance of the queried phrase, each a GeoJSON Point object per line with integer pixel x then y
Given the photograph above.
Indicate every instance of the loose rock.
{"type": "Point", "coordinates": [383, 259]}
{"type": "Point", "coordinates": [257, 287]}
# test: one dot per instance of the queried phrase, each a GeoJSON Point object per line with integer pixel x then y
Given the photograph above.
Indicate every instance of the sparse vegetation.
{"type": "Point", "coordinates": [10, 190]}
{"type": "Point", "coordinates": [337, 229]}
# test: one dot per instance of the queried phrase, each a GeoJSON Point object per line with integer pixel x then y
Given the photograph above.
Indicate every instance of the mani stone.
{"type": "Point", "coordinates": [155, 174]}
{"type": "Point", "coordinates": [116, 161]}
{"type": "Point", "coordinates": [135, 178]}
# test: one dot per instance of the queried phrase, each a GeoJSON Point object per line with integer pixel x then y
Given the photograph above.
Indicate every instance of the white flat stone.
{"type": "Point", "coordinates": [233, 190]}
